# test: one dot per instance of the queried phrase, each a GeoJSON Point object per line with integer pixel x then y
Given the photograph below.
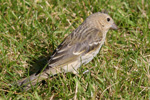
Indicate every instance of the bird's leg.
{"type": "Point", "coordinates": [85, 71]}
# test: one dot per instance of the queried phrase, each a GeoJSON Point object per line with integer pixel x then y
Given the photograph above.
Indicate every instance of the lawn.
{"type": "Point", "coordinates": [31, 30]}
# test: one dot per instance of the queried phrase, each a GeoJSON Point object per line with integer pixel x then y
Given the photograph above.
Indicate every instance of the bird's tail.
{"type": "Point", "coordinates": [32, 80]}
{"type": "Point", "coordinates": [35, 78]}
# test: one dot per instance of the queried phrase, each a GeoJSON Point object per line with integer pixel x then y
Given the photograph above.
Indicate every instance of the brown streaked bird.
{"type": "Point", "coordinates": [78, 48]}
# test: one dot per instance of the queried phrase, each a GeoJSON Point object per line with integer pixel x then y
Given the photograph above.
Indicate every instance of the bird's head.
{"type": "Point", "coordinates": [101, 21]}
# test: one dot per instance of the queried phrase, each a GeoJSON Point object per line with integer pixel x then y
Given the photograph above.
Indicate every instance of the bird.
{"type": "Point", "coordinates": [77, 49]}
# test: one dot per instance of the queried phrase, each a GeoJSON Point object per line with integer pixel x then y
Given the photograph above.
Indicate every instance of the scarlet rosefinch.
{"type": "Point", "coordinates": [77, 48]}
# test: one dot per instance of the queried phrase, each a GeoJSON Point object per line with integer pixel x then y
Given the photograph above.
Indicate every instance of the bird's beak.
{"type": "Point", "coordinates": [114, 26]}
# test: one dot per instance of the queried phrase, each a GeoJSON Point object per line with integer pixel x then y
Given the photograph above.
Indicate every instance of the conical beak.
{"type": "Point", "coordinates": [114, 26]}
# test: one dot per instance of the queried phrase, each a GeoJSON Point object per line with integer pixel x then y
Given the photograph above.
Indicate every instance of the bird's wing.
{"type": "Point", "coordinates": [74, 46]}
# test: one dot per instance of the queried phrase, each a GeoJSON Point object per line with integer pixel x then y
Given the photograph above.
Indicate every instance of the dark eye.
{"type": "Point", "coordinates": [108, 19]}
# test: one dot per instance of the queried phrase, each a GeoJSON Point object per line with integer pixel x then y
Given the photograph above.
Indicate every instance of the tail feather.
{"type": "Point", "coordinates": [35, 78]}
{"type": "Point", "coordinates": [30, 81]}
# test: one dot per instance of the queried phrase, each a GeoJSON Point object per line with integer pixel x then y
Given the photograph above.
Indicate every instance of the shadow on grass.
{"type": "Point", "coordinates": [38, 64]}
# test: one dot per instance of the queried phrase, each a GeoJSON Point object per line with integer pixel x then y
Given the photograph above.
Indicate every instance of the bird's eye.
{"type": "Point", "coordinates": [108, 19]}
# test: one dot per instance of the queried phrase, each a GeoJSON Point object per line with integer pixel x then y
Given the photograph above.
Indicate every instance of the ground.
{"type": "Point", "coordinates": [30, 31]}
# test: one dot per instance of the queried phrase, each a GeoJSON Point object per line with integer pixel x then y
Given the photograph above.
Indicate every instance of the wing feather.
{"type": "Point", "coordinates": [75, 45]}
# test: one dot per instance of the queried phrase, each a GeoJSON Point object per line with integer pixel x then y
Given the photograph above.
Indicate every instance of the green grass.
{"type": "Point", "coordinates": [30, 31]}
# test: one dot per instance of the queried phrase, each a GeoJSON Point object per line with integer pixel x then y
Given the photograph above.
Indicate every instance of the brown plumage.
{"type": "Point", "coordinates": [80, 47]}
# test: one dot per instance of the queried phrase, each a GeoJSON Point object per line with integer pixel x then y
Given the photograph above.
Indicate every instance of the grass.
{"type": "Point", "coordinates": [31, 30]}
